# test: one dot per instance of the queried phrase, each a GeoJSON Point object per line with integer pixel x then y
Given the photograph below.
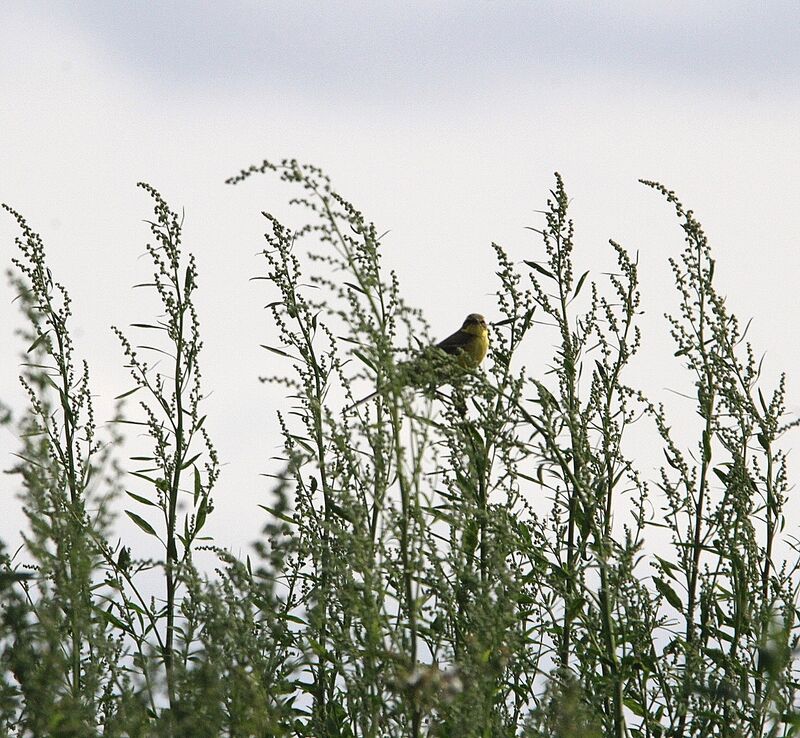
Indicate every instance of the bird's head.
{"type": "Point", "coordinates": [475, 323]}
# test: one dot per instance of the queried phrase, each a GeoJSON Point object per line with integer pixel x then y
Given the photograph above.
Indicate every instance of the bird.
{"type": "Point", "coordinates": [468, 345]}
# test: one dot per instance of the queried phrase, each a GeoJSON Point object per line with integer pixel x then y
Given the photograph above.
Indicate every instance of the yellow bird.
{"type": "Point", "coordinates": [469, 345]}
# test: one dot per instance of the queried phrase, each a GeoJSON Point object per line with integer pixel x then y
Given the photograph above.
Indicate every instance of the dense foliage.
{"type": "Point", "coordinates": [474, 555]}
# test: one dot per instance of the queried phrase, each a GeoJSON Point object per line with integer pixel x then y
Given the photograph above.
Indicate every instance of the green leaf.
{"type": "Point", "coordinates": [668, 567]}
{"type": "Point", "coordinates": [142, 476]}
{"type": "Point", "coordinates": [112, 619]}
{"type": "Point", "coordinates": [580, 284]}
{"type": "Point", "coordinates": [535, 230]}
{"type": "Point", "coordinates": [539, 268]}
{"type": "Point", "coordinates": [281, 516]}
{"type": "Point", "coordinates": [187, 464]}
{"type": "Point", "coordinates": [762, 401]}
{"type": "Point", "coordinates": [148, 325]}
{"type": "Point", "coordinates": [318, 648]}
{"type": "Point", "coordinates": [576, 607]}
{"type": "Point", "coordinates": [706, 447]}
{"type": "Point", "coordinates": [340, 512]}
{"type": "Point", "coordinates": [37, 342]}
{"type": "Point", "coordinates": [634, 707]}
{"type": "Point", "coordinates": [671, 461]}
{"type": "Point", "coordinates": [669, 594]}
{"type": "Point", "coordinates": [355, 287]}
{"type": "Point", "coordinates": [275, 350]}
{"type": "Point", "coordinates": [601, 370]}
{"type": "Point", "coordinates": [363, 358]}
{"type": "Point", "coordinates": [142, 523]}
{"type": "Point", "coordinates": [198, 485]}
{"type": "Point", "coordinates": [200, 520]}
{"type": "Point", "coordinates": [141, 499]}
{"type": "Point", "coordinates": [716, 655]}
{"type": "Point", "coordinates": [156, 349]}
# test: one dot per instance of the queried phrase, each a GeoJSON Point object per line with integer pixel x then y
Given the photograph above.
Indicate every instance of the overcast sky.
{"type": "Point", "coordinates": [442, 121]}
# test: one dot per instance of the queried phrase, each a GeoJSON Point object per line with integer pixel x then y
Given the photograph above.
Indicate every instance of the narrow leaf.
{"type": "Point", "coordinates": [669, 594]}
{"type": "Point", "coordinates": [539, 268]}
{"type": "Point", "coordinates": [580, 284]}
{"type": "Point", "coordinates": [198, 486]}
{"type": "Point", "coordinates": [187, 464]}
{"type": "Point", "coordinates": [141, 499]}
{"type": "Point", "coordinates": [275, 351]}
{"type": "Point", "coordinates": [142, 523]}
{"type": "Point", "coordinates": [37, 342]}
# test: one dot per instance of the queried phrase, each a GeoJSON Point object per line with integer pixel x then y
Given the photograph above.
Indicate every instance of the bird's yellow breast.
{"type": "Point", "coordinates": [474, 350]}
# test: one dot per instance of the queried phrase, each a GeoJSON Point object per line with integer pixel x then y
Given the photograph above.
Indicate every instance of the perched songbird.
{"type": "Point", "coordinates": [469, 345]}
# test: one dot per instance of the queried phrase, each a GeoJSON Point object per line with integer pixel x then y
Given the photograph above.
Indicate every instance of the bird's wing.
{"type": "Point", "coordinates": [455, 343]}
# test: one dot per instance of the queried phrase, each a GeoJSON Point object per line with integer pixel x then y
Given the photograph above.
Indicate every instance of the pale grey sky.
{"type": "Point", "coordinates": [442, 121]}
{"type": "Point", "coordinates": [383, 50]}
